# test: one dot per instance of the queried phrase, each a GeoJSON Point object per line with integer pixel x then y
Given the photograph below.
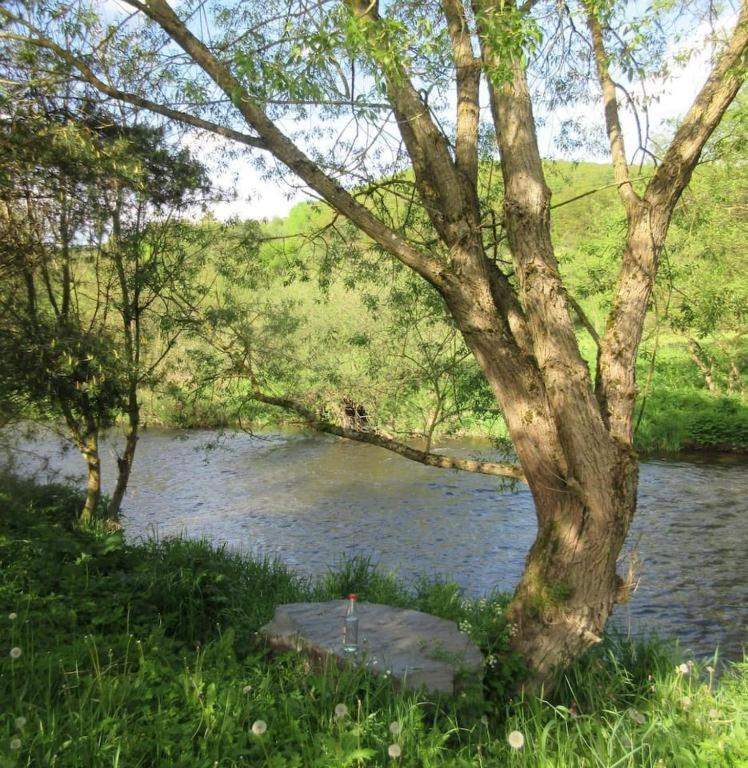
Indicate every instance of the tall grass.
{"type": "Point", "coordinates": [147, 656]}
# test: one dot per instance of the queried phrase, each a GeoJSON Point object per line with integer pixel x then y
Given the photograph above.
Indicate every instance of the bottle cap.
{"type": "Point", "coordinates": [351, 597]}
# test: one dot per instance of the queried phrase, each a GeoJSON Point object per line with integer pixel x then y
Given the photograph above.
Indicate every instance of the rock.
{"type": "Point", "coordinates": [419, 650]}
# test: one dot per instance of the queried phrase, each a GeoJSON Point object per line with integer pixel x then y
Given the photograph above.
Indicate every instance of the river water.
{"type": "Point", "coordinates": [311, 499]}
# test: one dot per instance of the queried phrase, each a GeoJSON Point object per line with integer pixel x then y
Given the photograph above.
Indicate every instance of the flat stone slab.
{"type": "Point", "coordinates": [419, 650]}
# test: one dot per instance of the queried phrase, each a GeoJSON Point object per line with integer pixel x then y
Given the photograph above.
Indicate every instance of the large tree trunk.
{"type": "Point", "coordinates": [570, 585]}
{"type": "Point", "coordinates": [584, 488]}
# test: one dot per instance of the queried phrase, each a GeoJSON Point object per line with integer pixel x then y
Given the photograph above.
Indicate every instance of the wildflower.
{"type": "Point", "coordinates": [20, 723]}
{"type": "Point", "coordinates": [15, 653]}
{"type": "Point", "coordinates": [710, 669]}
{"type": "Point", "coordinates": [13, 616]}
{"type": "Point", "coordinates": [516, 740]}
{"type": "Point", "coordinates": [247, 690]}
{"type": "Point", "coordinates": [685, 702]}
{"type": "Point", "coordinates": [395, 728]}
{"type": "Point", "coordinates": [340, 711]}
{"type": "Point", "coordinates": [259, 727]}
{"type": "Point", "coordinates": [15, 744]}
{"type": "Point", "coordinates": [636, 716]}
{"type": "Point", "coordinates": [714, 714]}
{"type": "Point", "coordinates": [683, 669]}
{"type": "Point", "coordinates": [394, 751]}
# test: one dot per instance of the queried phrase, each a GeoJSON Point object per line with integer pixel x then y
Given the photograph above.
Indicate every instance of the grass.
{"type": "Point", "coordinates": [146, 655]}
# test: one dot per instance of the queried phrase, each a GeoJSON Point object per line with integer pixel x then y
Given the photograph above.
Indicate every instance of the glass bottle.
{"type": "Point", "coordinates": [350, 631]}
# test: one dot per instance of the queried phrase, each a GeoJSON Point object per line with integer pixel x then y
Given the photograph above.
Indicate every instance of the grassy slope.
{"type": "Point", "coordinates": [145, 655]}
{"type": "Point", "coordinates": [678, 413]}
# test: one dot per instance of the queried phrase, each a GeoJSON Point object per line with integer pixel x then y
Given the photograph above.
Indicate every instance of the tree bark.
{"type": "Point", "coordinates": [93, 484]}
{"type": "Point", "coordinates": [125, 461]}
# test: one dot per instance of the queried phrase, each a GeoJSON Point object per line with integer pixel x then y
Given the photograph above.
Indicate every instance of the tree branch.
{"type": "Point", "coordinates": [723, 84]}
{"type": "Point", "coordinates": [446, 196]}
{"type": "Point", "coordinates": [584, 319]}
{"type": "Point", "coordinates": [88, 76]}
{"type": "Point", "coordinates": [612, 118]}
{"type": "Point", "coordinates": [468, 71]}
{"type": "Point", "coordinates": [380, 441]}
{"type": "Point", "coordinates": [287, 152]}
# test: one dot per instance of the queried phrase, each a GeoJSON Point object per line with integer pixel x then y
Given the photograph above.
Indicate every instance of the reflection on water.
{"type": "Point", "coordinates": [310, 500]}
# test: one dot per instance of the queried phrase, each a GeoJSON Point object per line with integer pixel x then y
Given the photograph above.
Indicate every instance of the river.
{"type": "Point", "coordinates": [311, 499]}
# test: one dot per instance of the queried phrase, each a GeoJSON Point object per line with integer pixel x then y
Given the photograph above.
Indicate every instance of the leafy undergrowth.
{"type": "Point", "coordinates": [114, 654]}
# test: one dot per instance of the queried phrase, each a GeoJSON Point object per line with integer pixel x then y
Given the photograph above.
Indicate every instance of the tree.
{"type": "Point", "coordinates": [93, 269]}
{"type": "Point", "coordinates": [264, 64]}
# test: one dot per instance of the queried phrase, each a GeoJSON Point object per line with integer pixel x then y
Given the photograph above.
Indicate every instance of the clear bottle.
{"type": "Point", "coordinates": [350, 631]}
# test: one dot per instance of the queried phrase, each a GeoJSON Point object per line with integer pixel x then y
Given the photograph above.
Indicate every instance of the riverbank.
{"type": "Point", "coordinates": [669, 420]}
{"type": "Point", "coordinates": [146, 655]}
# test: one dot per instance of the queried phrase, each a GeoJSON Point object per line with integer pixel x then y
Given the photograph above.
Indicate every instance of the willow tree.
{"type": "Point", "coordinates": [407, 82]}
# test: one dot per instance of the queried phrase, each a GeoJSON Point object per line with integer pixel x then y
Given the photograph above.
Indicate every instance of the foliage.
{"type": "Point", "coordinates": [145, 654]}
{"type": "Point", "coordinates": [99, 280]}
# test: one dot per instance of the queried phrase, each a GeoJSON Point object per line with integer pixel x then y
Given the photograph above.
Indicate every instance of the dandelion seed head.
{"type": "Point", "coordinates": [13, 616]}
{"type": "Point", "coordinates": [15, 744]}
{"type": "Point", "coordinates": [395, 728]}
{"type": "Point", "coordinates": [685, 702]}
{"type": "Point", "coordinates": [516, 740]}
{"type": "Point", "coordinates": [247, 690]}
{"type": "Point", "coordinates": [20, 722]}
{"type": "Point", "coordinates": [683, 669]}
{"type": "Point", "coordinates": [714, 714]}
{"type": "Point", "coordinates": [15, 653]}
{"type": "Point", "coordinates": [340, 711]}
{"type": "Point", "coordinates": [259, 727]}
{"type": "Point", "coordinates": [394, 751]}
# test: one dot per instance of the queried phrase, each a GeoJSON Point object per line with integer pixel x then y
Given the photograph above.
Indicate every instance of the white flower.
{"type": "Point", "coordinates": [394, 751]}
{"type": "Point", "coordinates": [259, 727]}
{"type": "Point", "coordinates": [683, 669]}
{"type": "Point", "coordinates": [516, 740]}
{"type": "Point", "coordinates": [15, 744]}
{"type": "Point", "coordinates": [15, 653]}
{"type": "Point", "coordinates": [247, 690]}
{"type": "Point", "coordinates": [20, 722]}
{"type": "Point", "coordinates": [340, 711]}
{"type": "Point", "coordinates": [685, 702]}
{"type": "Point", "coordinates": [13, 616]}
{"type": "Point", "coordinates": [395, 728]}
